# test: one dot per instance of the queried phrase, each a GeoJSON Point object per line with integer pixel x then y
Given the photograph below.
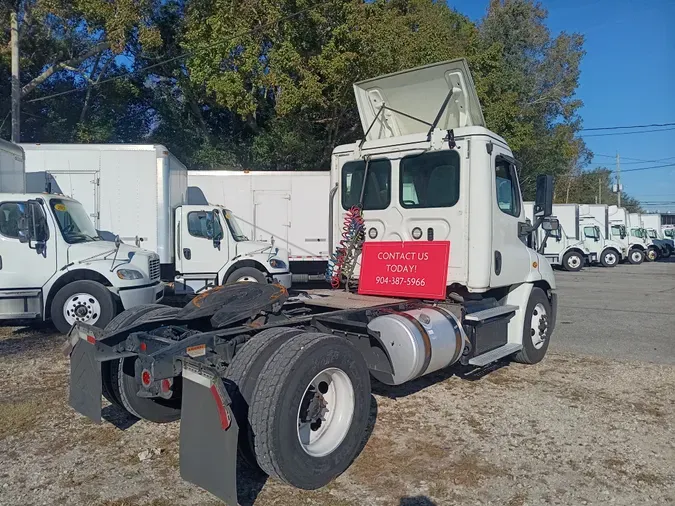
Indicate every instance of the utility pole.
{"type": "Point", "coordinates": [618, 179]}
{"type": "Point", "coordinates": [599, 190]}
{"type": "Point", "coordinates": [16, 83]}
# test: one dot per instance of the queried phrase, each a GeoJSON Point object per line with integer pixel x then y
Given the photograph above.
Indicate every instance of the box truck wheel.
{"type": "Point", "coordinates": [121, 320]}
{"type": "Point", "coordinates": [636, 256]}
{"type": "Point", "coordinates": [573, 261]}
{"type": "Point", "coordinates": [536, 329]}
{"type": "Point", "coordinates": [82, 301]}
{"type": "Point", "coordinates": [310, 410]}
{"type": "Point", "coordinates": [243, 375]}
{"type": "Point", "coordinates": [652, 254]}
{"type": "Point", "coordinates": [246, 274]}
{"type": "Point", "coordinates": [609, 258]}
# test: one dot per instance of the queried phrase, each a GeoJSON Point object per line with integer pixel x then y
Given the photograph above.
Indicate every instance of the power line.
{"type": "Point", "coordinates": [180, 56]}
{"type": "Point", "coordinates": [639, 160]}
{"type": "Point", "coordinates": [650, 168]}
{"type": "Point", "coordinates": [627, 127]}
{"type": "Point", "coordinates": [629, 133]}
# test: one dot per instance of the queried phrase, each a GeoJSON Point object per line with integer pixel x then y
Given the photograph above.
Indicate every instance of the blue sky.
{"type": "Point", "coordinates": [627, 78]}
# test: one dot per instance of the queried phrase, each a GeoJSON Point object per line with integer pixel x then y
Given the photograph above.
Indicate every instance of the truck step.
{"type": "Point", "coordinates": [486, 314]}
{"type": "Point", "coordinates": [496, 354]}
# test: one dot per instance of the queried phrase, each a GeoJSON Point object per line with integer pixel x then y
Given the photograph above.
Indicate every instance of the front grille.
{"type": "Point", "coordinates": [154, 269]}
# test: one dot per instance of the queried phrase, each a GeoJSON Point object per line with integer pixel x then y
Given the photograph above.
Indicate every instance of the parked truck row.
{"type": "Point", "coordinates": [284, 380]}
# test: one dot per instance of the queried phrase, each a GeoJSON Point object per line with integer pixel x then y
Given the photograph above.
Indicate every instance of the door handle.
{"type": "Point", "coordinates": [498, 263]}
{"type": "Point", "coordinates": [0, 261]}
{"type": "Point", "coordinates": [187, 254]}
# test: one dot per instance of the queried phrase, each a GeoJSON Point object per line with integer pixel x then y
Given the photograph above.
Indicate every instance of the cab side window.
{"type": "Point", "coordinates": [10, 215]}
{"type": "Point", "coordinates": [204, 224]}
{"type": "Point", "coordinates": [589, 232]}
{"type": "Point", "coordinates": [508, 193]}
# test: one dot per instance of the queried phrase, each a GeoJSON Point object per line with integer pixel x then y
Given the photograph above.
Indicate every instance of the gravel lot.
{"type": "Point", "coordinates": [592, 424]}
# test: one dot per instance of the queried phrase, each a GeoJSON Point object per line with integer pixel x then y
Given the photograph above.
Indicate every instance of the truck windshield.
{"type": "Point", "coordinates": [73, 221]}
{"type": "Point", "coordinates": [234, 227]}
{"type": "Point", "coordinates": [670, 233]}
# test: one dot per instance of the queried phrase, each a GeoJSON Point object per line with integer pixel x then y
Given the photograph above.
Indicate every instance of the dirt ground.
{"type": "Point", "coordinates": [572, 430]}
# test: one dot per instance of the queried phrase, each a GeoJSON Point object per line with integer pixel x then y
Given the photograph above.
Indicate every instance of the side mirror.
{"type": "Point", "coordinates": [25, 230]}
{"type": "Point", "coordinates": [550, 224]}
{"type": "Point", "coordinates": [543, 205]}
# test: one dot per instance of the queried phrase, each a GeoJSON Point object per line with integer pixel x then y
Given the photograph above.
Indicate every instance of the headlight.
{"type": "Point", "coordinates": [275, 263]}
{"type": "Point", "coordinates": [129, 274]}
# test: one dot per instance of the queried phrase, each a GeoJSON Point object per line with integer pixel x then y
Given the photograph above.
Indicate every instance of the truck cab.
{"type": "Point", "coordinates": [211, 249]}
{"type": "Point", "coordinates": [54, 265]}
{"type": "Point", "coordinates": [427, 169]}
{"type": "Point", "coordinates": [628, 235]}
{"type": "Point", "coordinates": [593, 229]}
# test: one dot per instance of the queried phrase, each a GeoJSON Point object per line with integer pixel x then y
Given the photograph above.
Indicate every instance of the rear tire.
{"type": "Point", "coordinates": [536, 329]}
{"type": "Point", "coordinates": [124, 386]}
{"type": "Point", "coordinates": [610, 258]}
{"type": "Point", "coordinates": [293, 403]}
{"type": "Point", "coordinates": [243, 374]}
{"type": "Point", "coordinates": [121, 320]}
{"type": "Point", "coordinates": [573, 261]}
{"type": "Point", "coordinates": [636, 256]}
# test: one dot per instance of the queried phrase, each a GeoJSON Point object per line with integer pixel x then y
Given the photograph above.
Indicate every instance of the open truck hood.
{"type": "Point", "coordinates": [418, 93]}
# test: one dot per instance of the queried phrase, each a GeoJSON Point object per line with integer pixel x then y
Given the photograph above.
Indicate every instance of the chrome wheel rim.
{"type": "Point", "coordinates": [538, 326]}
{"type": "Point", "coordinates": [574, 261]}
{"type": "Point", "coordinates": [82, 307]}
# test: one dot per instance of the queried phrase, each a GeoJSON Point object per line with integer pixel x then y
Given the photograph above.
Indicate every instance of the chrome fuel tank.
{"type": "Point", "coordinates": [419, 341]}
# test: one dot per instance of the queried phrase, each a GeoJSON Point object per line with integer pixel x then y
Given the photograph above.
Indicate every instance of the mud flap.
{"type": "Point", "coordinates": [208, 433]}
{"type": "Point", "coordinates": [85, 380]}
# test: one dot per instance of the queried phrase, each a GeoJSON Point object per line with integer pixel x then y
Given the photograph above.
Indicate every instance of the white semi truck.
{"type": "Point", "coordinates": [564, 247]}
{"type": "Point", "coordinates": [285, 381]}
{"type": "Point", "coordinates": [289, 206]}
{"type": "Point", "coordinates": [139, 192]}
{"type": "Point", "coordinates": [53, 265]}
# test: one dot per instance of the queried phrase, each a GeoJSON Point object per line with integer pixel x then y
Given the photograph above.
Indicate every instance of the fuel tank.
{"type": "Point", "coordinates": [419, 341]}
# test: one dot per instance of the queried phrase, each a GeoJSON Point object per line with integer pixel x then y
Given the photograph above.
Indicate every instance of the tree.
{"type": "Point", "coordinates": [68, 45]}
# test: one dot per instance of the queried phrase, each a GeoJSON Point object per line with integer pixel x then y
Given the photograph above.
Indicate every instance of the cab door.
{"type": "Point", "coordinates": [25, 265]}
{"type": "Point", "coordinates": [510, 256]}
{"type": "Point", "coordinates": [203, 247]}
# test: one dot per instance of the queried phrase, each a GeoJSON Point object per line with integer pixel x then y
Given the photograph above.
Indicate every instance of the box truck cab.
{"type": "Point", "coordinates": [564, 247]}
{"type": "Point", "coordinates": [54, 266]}
{"type": "Point", "coordinates": [594, 230]}
{"type": "Point", "coordinates": [652, 224]}
{"type": "Point", "coordinates": [637, 229]}
{"type": "Point", "coordinates": [139, 192]}
{"type": "Point", "coordinates": [630, 237]}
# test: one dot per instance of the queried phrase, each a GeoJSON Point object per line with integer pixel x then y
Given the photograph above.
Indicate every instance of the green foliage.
{"type": "Point", "coordinates": [267, 84]}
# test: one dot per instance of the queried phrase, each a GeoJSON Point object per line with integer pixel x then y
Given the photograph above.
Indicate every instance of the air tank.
{"type": "Point", "coordinates": [419, 341]}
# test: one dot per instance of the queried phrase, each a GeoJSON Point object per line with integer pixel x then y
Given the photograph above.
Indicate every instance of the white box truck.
{"type": "Point", "coordinates": [652, 225]}
{"type": "Point", "coordinates": [629, 237]}
{"type": "Point", "coordinates": [53, 265]}
{"type": "Point", "coordinates": [139, 192]}
{"type": "Point", "coordinates": [594, 229]}
{"type": "Point", "coordinates": [12, 173]}
{"type": "Point", "coordinates": [289, 206]}
{"type": "Point", "coordinates": [564, 247]}
{"type": "Point", "coordinates": [636, 229]}
{"type": "Point", "coordinates": [295, 372]}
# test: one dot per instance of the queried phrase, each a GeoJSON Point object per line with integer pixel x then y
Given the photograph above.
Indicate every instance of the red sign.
{"type": "Point", "coordinates": [405, 269]}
